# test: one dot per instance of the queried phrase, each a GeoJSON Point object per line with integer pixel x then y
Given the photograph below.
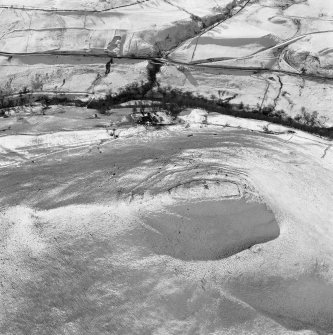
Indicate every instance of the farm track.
{"type": "Point", "coordinates": [278, 46]}
{"type": "Point", "coordinates": [167, 61]}
{"type": "Point", "coordinates": [72, 11]}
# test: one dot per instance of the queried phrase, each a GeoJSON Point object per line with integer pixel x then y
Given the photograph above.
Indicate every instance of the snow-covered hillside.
{"type": "Point", "coordinates": [94, 240]}
{"type": "Point", "coordinates": [157, 174]}
{"type": "Point", "coordinates": [259, 52]}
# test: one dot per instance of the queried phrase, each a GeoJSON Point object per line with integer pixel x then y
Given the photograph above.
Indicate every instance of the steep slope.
{"type": "Point", "coordinates": [83, 253]}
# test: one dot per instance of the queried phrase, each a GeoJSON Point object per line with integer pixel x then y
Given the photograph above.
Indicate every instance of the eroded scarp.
{"type": "Point", "coordinates": [205, 224]}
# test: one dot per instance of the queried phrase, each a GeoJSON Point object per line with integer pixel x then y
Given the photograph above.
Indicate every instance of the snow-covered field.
{"type": "Point", "coordinates": [253, 88]}
{"type": "Point", "coordinates": [268, 34]}
{"type": "Point", "coordinates": [263, 39]}
{"type": "Point", "coordinates": [76, 75]}
{"type": "Point", "coordinates": [143, 28]}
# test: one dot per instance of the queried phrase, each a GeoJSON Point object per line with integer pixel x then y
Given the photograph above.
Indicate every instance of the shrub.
{"type": "Point", "coordinates": [265, 129]}
{"type": "Point", "coordinates": [37, 83]}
